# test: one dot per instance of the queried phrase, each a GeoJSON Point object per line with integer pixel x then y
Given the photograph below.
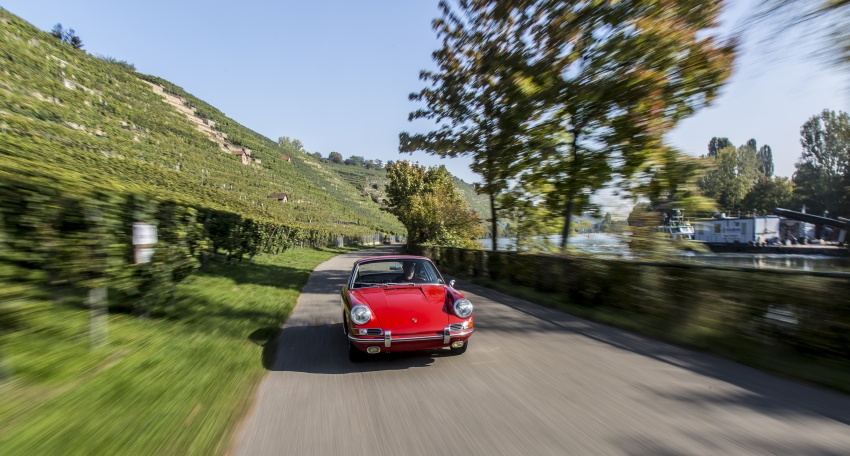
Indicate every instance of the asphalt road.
{"type": "Point", "coordinates": [534, 381]}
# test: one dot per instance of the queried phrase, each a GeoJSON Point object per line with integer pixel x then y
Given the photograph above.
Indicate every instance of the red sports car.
{"type": "Point", "coordinates": [402, 303]}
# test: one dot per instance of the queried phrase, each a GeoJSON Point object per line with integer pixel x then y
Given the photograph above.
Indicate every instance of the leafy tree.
{"type": "Point", "coordinates": [600, 82]}
{"type": "Point", "coordinates": [823, 169]}
{"type": "Point", "coordinates": [58, 32]}
{"type": "Point", "coordinates": [734, 173]}
{"type": "Point", "coordinates": [335, 157]}
{"type": "Point", "coordinates": [428, 204]}
{"type": "Point", "coordinates": [768, 194]}
{"type": "Point", "coordinates": [765, 157]}
{"type": "Point", "coordinates": [355, 160]}
{"type": "Point", "coordinates": [476, 96]}
{"type": "Point", "coordinates": [291, 143]}
{"type": "Point", "coordinates": [716, 144]}
{"type": "Point", "coordinates": [615, 76]}
{"type": "Point", "coordinates": [67, 36]}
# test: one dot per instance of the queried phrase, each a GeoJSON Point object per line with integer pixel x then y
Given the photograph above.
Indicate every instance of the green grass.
{"type": "Point", "coordinates": [175, 385]}
{"type": "Point", "coordinates": [830, 373]}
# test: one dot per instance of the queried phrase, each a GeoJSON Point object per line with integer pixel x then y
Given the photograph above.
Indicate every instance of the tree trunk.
{"type": "Point", "coordinates": [568, 212]}
{"type": "Point", "coordinates": [568, 217]}
{"type": "Point", "coordinates": [493, 232]}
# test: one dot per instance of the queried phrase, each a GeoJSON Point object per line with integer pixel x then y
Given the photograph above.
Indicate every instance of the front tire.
{"type": "Point", "coordinates": [461, 350]}
{"type": "Point", "coordinates": [355, 355]}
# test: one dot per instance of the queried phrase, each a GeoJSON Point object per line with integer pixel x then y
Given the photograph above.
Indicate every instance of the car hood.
{"type": "Point", "coordinates": [407, 309]}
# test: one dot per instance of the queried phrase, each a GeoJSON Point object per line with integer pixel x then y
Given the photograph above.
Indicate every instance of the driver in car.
{"type": "Point", "coordinates": [408, 272]}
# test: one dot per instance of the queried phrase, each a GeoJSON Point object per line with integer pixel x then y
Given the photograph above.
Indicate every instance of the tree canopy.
{"type": "Point", "coordinates": [822, 175]}
{"type": "Point", "coordinates": [67, 36]}
{"type": "Point", "coordinates": [427, 203]}
{"type": "Point", "coordinates": [573, 94]}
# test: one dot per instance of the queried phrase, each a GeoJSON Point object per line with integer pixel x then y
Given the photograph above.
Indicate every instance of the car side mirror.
{"type": "Point", "coordinates": [452, 283]}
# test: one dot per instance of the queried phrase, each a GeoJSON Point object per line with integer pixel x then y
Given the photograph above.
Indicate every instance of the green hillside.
{"type": "Point", "coordinates": [73, 120]}
{"type": "Point", "coordinates": [479, 203]}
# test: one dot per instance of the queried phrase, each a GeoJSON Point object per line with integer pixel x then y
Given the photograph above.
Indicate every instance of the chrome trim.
{"type": "Point", "coordinates": [409, 339]}
{"type": "Point", "coordinates": [388, 339]}
{"type": "Point", "coordinates": [447, 334]}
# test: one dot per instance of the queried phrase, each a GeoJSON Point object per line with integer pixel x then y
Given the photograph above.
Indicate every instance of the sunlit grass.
{"type": "Point", "coordinates": [174, 385]}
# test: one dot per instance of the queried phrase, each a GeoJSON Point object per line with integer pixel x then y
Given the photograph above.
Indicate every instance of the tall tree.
{"type": "Point", "coordinates": [616, 76]}
{"type": "Point", "coordinates": [765, 157]}
{"type": "Point", "coordinates": [823, 169]}
{"type": "Point", "coordinates": [476, 95]}
{"type": "Point", "coordinates": [716, 144]}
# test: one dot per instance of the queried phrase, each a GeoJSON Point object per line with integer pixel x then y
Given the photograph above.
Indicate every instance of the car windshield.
{"type": "Point", "coordinates": [395, 272]}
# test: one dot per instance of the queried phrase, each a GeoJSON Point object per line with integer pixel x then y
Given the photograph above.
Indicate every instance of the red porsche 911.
{"type": "Point", "coordinates": [402, 303]}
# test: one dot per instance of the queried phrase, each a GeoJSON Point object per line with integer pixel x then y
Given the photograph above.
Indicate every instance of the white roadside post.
{"type": "Point", "coordinates": [144, 239]}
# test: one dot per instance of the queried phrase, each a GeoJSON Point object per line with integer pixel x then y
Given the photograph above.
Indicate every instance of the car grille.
{"type": "Point", "coordinates": [373, 332]}
{"type": "Point", "coordinates": [456, 326]}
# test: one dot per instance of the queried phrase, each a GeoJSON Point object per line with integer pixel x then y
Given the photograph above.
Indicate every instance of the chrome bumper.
{"type": "Point", "coordinates": [388, 339]}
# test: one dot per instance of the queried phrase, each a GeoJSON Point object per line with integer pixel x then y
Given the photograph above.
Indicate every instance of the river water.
{"type": "Point", "coordinates": [616, 246]}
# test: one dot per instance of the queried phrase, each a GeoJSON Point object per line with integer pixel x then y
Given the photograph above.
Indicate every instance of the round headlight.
{"type": "Point", "coordinates": [360, 314]}
{"type": "Point", "coordinates": [463, 308]}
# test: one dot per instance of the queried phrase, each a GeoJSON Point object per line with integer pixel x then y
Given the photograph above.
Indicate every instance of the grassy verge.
{"type": "Point", "coordinates": [778, 360]}
{"type": "Point", "coordinates": [160, 386]}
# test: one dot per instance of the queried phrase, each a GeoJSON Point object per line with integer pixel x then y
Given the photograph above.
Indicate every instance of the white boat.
{"type": "Point", "coordinates": [677, 226]}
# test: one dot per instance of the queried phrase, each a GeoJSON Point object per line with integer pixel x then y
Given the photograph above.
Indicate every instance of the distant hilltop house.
{"type": "Point", "coordinates": [286, 158]}
{"type": "Point", "coordinates": [281, 197]}
{"type": "Point", "coordinates": [246, 159]}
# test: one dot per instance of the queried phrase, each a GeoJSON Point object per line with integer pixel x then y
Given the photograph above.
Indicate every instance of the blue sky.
{"type": "Point", "coordinates": [336, 74]}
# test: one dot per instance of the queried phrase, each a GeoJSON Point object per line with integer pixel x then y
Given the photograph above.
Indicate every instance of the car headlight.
{"type": "Point", "coordinates": [361, 314]}
{"type": "Point", "coordinates": [463, 308]}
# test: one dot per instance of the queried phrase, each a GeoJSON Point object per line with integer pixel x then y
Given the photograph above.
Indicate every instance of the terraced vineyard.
{"type": "Point", "coordinates": [71, 120]}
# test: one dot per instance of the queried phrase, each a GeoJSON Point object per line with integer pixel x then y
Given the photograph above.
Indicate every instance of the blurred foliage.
{"type": "Point", "coordinates": [806, 22]}
{"type": "Point", "coordinates": [732, 311]}
{"type": "Point", "coordinates": [527, 219]}
{"type": "Point", "coordinates": [671, 181]}
{"type": "Point", "coordinates": [476, 97]}
{"type": "Point", "coordinates": [175, 385]}
{"type": "Point", "coordinates": [573, 94]}
{"type": "Point", "coordinates": [87, 149]}
{"type": "Point", "coordinates": [430, 207]}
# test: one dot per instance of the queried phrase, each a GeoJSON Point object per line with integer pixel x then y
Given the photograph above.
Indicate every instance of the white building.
{"type": "Point", "coordinates": [759, 229]}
